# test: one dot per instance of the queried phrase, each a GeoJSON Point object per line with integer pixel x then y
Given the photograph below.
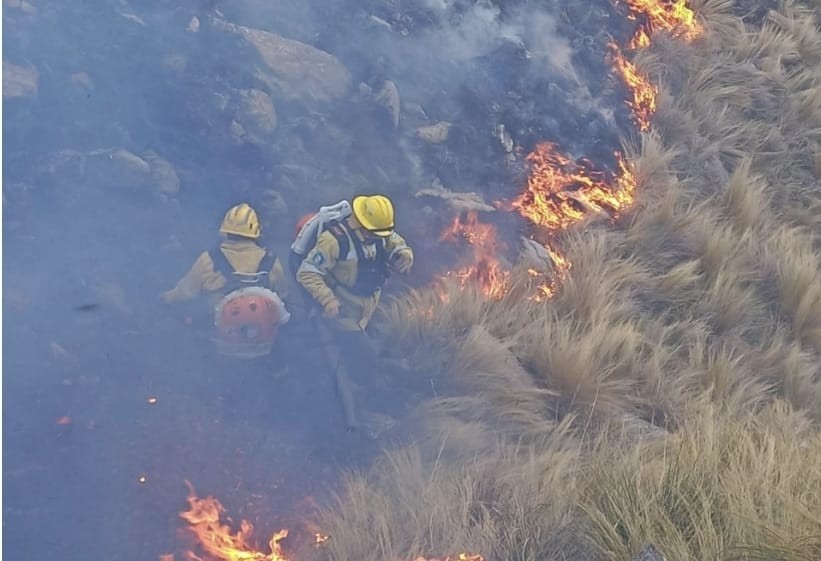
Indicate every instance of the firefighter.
{"type": "Point", "coordinates": [346, 270]}
{"type": "Point", "coordinates": [245, 284]}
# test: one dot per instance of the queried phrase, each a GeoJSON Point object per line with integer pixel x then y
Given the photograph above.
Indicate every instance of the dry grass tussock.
{"type": "Point", "coordinates": [717, 489]}
{"type": "Point", "coordinates": [670, 391]}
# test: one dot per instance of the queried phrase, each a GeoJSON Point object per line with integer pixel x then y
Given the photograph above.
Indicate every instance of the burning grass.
{"type": "Point", "coordinates": [674, 374]}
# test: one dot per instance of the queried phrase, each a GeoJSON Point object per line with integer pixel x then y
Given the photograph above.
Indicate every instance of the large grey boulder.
{"type": "Point", "coordinates": [294, 70]}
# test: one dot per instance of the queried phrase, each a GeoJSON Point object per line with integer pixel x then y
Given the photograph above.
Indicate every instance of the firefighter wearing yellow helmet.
{"type": "Point", "coordinates": [345, 271]}
{"type": "Point", "coordinates": [245, 284]}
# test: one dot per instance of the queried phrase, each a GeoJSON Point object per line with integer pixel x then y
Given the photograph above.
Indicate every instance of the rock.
{"type": "Point", "coordinates": [535, 256]}
{"type": "Point", "coordinates": [295, 70]}
{"type": "Point", "coordinates": [118, 167]}
{"type": "Point", "coordinates": [163, 175]}
{"type": "Point", "coordinates": [504, 138]}
{"type": "Point", "coordinates": [388, 97]}
{"type": "Point", "coordinates": [649, 553]}
{"type": "Point", "coordinates": [19, 81]}
{"type": "Point", "coordinates": [457, 201]}
{"type": "Point", "coordinates": [256, 113]}
{"type": "Point", "coordinates": [374, 21]}
{"type": "Point", "coordinates": [122, 167]}
{"type": "Point", "coordinates": [436, 133]}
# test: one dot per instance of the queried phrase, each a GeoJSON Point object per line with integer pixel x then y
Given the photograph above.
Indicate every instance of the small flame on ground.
{"type": "Point", "coordinates": [218, 541]}
{"type": "Point", "coordinates": [485, 268]}
{"type": "Point", "coordinates": [320, 538]}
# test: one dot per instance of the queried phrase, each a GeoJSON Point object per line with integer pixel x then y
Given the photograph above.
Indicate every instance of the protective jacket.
{"type": "Point", "coordinates": [243, 256]}
{"type": "Point", "coordinates": [344, 268]}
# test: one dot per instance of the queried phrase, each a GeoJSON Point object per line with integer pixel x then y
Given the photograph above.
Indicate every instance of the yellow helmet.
{"type": "Point", "coordinates": [241, 220]}
{"type": "Point", "coordinates": [374, 213]}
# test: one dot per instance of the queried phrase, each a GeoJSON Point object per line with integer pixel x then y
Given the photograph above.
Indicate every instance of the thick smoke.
{"type": "Point", "coordinates": [130, 127]}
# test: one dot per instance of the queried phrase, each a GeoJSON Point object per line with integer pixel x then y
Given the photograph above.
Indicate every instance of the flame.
{"type": "Point", "coordinates": [673, 16]}
{"type": "Point", "coordinates": [643, 91]}
{"type": "Point", "coordinates": [217, 540]}
{"type": "Point", "coordinates": [485, 268]}
{"type": "Point", "coordinates": [561, 192]}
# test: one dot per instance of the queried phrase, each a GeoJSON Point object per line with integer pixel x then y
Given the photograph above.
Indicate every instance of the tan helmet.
{"type": "Point", "coordinates": [241, 220]}
{"type": "Point", "coordinates": [374, 213]}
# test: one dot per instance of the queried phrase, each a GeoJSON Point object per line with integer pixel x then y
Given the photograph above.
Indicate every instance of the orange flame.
{"type": "Point", "coordinates": [673, 15]}
{"type": "Point", "coordinates": [561, 192]}
{"type": "Point", "coordinates": [216, 539]}
{"type": "Point", "coordinates": [485, 268]}
{"type": "Point", "coordinates": [643, 91]}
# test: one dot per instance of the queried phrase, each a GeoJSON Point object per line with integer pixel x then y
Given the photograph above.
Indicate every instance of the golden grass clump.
{"type": "Point", "coordinates": [507, 504]}
{"type": "Point", "coordinates": [720, 488]}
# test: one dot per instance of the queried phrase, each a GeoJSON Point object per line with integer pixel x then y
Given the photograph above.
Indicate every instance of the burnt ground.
{"type": "Point", "coordinates": [81, 231]}
{"type": "Point", "coordinates": [79, 433]}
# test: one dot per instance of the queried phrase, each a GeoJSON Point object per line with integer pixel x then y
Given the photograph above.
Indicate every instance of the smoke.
{"type": "Point", "coordinates": [132, 127]}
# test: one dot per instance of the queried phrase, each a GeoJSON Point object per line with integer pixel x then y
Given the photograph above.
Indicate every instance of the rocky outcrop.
{"type": "Point", "coordinates": [294, 70]}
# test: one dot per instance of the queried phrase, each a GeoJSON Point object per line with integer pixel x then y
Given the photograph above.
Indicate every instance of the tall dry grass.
{"type": "Point", "coordinates": [670, 391]}
{"type": "Point", "coordinates": [718, 489]}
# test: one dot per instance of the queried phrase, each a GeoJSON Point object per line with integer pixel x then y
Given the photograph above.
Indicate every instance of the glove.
{"type": "Point", "coordinates": [403, 261]}
{"type": "Point", "coordinates": [331, 309]}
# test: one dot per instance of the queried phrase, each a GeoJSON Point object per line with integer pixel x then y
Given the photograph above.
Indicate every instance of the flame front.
{"type": "Point", "coordinates": [485, 268]}
{"type": "Point", "coordinates": [643, 92]}
{"type": "Point", "coordinates": [673, 16]}
{"type": "Point", "coordinates": [216, 539]}
{"type": "Point", "coordinates": [561, 192]}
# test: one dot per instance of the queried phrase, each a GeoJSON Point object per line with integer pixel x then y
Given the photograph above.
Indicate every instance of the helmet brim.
{"type": "Point", "coordinates": [358, 207]}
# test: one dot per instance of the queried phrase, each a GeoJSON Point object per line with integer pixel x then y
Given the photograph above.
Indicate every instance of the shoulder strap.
{"type": "Point", "coordinates": [221, 263]}
{"type": "Point", "coordinates": [267, 262]}
{"type": "Point", "coordinates": [338, 231]}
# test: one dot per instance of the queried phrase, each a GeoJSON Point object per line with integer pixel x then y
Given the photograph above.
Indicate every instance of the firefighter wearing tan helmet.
{"type": "Point", "coordinates": [245, 284]}
{"type": "Point", "coordinates": [346, 269]}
